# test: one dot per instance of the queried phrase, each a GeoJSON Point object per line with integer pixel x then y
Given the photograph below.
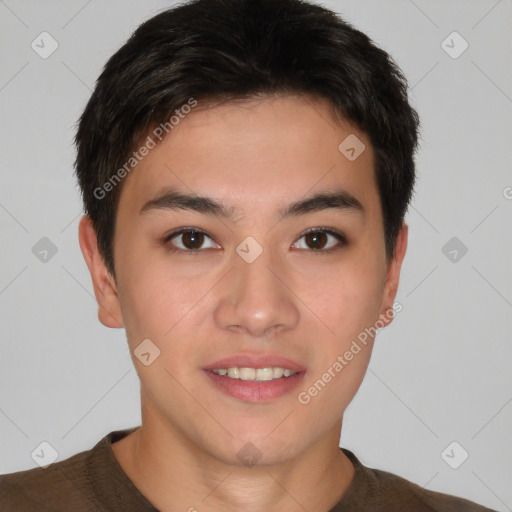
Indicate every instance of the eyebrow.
{"type": "Point", "coordinates": [172, 199]}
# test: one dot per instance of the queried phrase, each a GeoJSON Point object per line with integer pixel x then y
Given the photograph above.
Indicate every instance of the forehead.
{"type": "Point", "coordinates": [257, 154]}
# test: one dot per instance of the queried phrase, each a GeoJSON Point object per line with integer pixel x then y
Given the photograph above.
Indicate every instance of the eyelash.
{"type": "Point", "coordinates": [328, 231]}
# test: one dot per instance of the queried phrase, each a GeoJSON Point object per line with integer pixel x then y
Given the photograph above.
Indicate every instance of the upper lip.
{"type": "Point", "coordinates": [256, 361]}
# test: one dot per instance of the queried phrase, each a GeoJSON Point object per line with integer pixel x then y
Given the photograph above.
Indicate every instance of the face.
{"type": "Point", "coordinates": [278, 261]}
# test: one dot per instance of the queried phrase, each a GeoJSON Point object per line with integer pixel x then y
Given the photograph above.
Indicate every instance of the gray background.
{"type": "Point", "coordinates": [440, 373]}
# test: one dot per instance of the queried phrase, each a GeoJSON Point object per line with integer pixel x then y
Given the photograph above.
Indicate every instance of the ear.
{"type": "Point", "coordinates": [105, 288]}
{"type": "Point", "coordinates": [393, 277]}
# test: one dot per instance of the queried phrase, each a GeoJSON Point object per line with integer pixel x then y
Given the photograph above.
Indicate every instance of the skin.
{"type": "Point", "coordinates": [293, 300]}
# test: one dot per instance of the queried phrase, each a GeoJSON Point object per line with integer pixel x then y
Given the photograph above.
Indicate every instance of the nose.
{"type": "Point", "coordinates": [256, 298]}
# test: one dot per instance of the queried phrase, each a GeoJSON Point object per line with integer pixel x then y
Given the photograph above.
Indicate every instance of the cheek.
{"type": "Point", "coordinates": [351, 304]}
{"type": "Point", "coordinates": [348, 301]}
{"type": "Point", "coordinates": [161, 308]}
{"type": "Point", "coordinates": [154, 301]}
{"type": "Point", "coordinates": [346, 297]}
{"type": "Point", "coordinates": [343, 359]}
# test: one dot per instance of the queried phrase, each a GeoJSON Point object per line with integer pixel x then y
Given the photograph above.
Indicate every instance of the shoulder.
{"type": "Point", "coordinates": [62, 485]}
{"type": "Point", "coordinates": [386, 491]}
{"type": "Point", "coordinates": [393, 486]}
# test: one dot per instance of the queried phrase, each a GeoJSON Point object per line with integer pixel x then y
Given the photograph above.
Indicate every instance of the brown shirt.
{"type": "Point", "coordinates": [93, 480]}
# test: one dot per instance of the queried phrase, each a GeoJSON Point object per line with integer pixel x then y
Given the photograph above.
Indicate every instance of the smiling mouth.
{"type": "Point", "coordinates": [255, 374]}
{"type": "Point", "coordinates": [255, 385]}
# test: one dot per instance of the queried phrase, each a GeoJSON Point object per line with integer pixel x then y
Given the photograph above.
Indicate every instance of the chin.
{"type": "Point", "coordinates": [258, 451]}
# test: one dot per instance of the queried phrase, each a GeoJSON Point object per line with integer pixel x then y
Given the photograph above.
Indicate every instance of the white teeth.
{"type": "Point", "coordinates": [247, 373]}
{"type": "Point", "coordinates": [264, 374]}
{"type": "Point", "coordinates": [233, 373]}
{"type": "Point", "coordinates": [257, 374]}
{"type": "Point", "coordinates": [278, 372]}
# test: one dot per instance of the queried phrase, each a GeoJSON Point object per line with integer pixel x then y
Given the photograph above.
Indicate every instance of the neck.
{"type": "Point", "coordinates": [191, 479]}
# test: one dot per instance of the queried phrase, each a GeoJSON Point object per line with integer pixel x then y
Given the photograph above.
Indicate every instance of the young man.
{"type": "Point", "coordinates": [245, 167]}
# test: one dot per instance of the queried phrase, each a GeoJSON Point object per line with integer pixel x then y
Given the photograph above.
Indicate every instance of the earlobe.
{"type": "Point", "coordinates": [105, 289]}
{"type": "Point", "coordinates": [393, 277]}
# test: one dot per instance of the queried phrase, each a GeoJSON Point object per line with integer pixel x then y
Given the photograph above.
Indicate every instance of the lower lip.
{"type": "Point", "coordinates": [256, 391]}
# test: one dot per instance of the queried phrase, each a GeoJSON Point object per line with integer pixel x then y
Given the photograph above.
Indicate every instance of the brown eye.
{"type": "Point", "coordinates": [190, 240]}
{"type": "Point", "coordinates": [321, 240]}
{"type": "Point", "coordinates": [316, 240]}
